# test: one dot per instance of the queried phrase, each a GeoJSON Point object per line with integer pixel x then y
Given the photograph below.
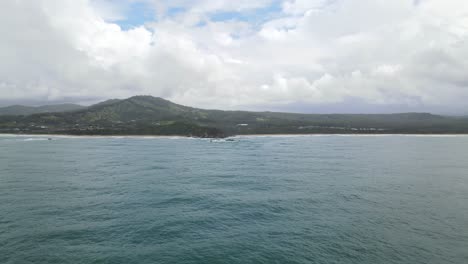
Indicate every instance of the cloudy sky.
{"type": "Point", "coordinates": [289, 55]}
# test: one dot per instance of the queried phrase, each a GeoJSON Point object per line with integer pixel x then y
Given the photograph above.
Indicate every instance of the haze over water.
{"type": "Point", "coordinates": [304, 199]}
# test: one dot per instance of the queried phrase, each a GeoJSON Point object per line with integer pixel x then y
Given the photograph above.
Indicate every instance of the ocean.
{"type": "Point", "coordinates": [263, 199]}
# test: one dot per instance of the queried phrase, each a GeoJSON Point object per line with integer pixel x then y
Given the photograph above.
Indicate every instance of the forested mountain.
{"type": "Point", "coordinates": [146, 115]}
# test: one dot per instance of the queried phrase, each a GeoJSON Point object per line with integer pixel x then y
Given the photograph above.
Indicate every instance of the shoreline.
{"type": "Point", "coordinates": [352, 135]}
{"type": "Point", "coordinates": [234, 136]}
{"type": "Point", "coordinates": [89, 136]}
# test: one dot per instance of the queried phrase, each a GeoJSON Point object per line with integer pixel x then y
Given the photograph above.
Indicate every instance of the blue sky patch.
{"type": "Point", "coordinates": [254, 16]}
{"type": "Point", "coordinates": [137, 14]}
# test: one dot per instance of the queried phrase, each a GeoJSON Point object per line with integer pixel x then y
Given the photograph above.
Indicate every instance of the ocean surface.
{"type": "Point", "coordinates": [283, 199]}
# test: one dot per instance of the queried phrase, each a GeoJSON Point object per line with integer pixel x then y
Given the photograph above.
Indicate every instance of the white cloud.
{"type": "Point", "coordinates": [317, 52]}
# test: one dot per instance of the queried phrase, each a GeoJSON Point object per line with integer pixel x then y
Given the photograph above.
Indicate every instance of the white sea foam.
{"type": "Point", "coordinates": [46, 137]}
{"type": "Point", "coordinates": [35, 139]}
{"type": "Point", "coordinates": [26, 137]}
{"type": "Point", "coordinates": [351, 135]}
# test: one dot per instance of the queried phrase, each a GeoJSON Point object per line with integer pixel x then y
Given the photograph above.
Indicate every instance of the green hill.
{"type": "Point", "coordinates": [146, 115]}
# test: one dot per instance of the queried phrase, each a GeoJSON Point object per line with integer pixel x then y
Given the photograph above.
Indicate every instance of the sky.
{"type": "Point", "coordinates": [347, 56]}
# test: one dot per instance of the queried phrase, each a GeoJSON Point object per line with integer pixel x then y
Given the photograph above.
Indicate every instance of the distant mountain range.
{"type": "Point", "coordinates": [146, 115]}
{"type": "Point", "coordinates": [29, 110]}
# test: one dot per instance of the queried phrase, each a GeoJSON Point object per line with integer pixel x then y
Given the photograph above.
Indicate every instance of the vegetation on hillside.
{"type": "Point", "coordinates": [146, 115]}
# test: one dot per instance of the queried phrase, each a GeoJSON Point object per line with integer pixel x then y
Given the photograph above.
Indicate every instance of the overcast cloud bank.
{"type": "Point", "coordinates": [267, 54]}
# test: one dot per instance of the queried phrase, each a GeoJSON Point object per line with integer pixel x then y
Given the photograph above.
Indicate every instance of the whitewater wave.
{"type": "Point", "coordinates": [350, 135]}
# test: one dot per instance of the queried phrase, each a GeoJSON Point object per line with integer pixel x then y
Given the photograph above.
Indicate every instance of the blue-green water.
{"type": "Point", "coordinates": [312, 199]}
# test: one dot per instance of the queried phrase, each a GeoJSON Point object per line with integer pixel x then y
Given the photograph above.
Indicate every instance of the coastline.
{"type": "Point", "coordinates": [233, 136]}
{"type": "Point", "coordinates": [352, 135]}
{"type": "Point", "coordinates": [90, 136]}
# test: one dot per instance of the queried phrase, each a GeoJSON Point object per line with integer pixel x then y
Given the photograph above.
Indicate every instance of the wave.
{"type": "Point", "coordinates": [35, 139]}
{"type": "Point", "coordinates": [26, 137]}
{"type": "Point", "coordinates": [46, 137]}
{"type": "Point", "coordinates": [350, 135]}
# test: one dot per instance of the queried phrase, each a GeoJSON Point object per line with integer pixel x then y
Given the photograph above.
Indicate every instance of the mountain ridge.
{"type": "Point", "coordinates": [147, 115]}
{"type": "Point", "coordinates": [29, 110]}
